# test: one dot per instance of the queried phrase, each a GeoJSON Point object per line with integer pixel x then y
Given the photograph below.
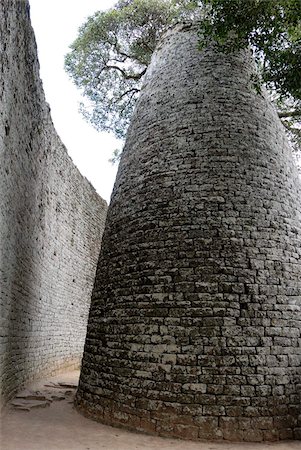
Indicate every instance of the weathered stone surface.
{"type": "Point", "coordinates": [51, 221]}
{"type": "Point", "coordinates": [50, 392]}
{"type": "Point", "coordinates": [27, 405]}
{"type": "Point", "coordinates": [194, 327]}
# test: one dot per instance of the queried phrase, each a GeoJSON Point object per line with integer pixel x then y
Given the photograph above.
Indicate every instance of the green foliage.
{"type": "Point", "coordinates": [272, 28]}
{"type": "Point", "coordinates": [111, 54]}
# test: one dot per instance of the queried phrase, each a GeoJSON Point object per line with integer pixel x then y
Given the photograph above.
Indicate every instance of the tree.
{"type": "Point", "coordinates": [110, 56]}
{"type": "Point", "coordinates": [273, 31]}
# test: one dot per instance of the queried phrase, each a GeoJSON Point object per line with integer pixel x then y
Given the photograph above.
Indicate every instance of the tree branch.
{"type": "Point", "coordinates": [295, 113]}
{"type": "Point", "coordinates": [133, 90]}
{"type": "Point", "coordinates": [124, 108]}
{"type": "Point", "coordinates": [295, 131]}
{"type": "Point", "coordinates": [117, 48]}
{"type": "Point", "coordinates": [125, 75]}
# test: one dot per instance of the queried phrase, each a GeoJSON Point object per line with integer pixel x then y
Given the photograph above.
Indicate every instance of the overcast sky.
{"type": "Point", "coordinates": [55, 24]}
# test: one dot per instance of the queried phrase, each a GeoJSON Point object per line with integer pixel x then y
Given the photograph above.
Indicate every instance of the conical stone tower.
{"type": "Point", "coordinates": [194, 327]}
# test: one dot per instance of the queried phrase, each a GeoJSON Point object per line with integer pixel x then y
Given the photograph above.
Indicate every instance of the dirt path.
{"type": "Point", "coordinates": [48, 421]}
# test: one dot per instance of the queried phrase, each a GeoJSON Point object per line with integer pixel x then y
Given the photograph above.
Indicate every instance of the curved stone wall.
{"type": "Point", "coordinates": [51, 222]}
{"type": "Point", "coordinates": [194, 327]}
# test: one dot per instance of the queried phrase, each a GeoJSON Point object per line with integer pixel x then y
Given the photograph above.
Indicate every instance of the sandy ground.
{"type": "Point", "coordinates": [60, 427]}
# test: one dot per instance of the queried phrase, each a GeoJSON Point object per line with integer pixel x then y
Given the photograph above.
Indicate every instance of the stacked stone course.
{"type": "Point", "coordinates": [51, 222]}
{"type": "Point", "coordinates": [194, 326]}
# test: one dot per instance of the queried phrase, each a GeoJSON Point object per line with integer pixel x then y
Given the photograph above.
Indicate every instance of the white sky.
{"type": "Point", "coordinates": [55, 23]}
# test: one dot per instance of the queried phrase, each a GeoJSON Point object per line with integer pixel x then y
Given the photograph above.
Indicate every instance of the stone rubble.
{"type": "Point", "coordinates": [53, 391]}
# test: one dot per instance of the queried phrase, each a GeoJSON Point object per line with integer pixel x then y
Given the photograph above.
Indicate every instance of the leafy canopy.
{"type": "Point", "coordinates": [110, 56]}
{"type": "Point", "coordinates": [272, 28]}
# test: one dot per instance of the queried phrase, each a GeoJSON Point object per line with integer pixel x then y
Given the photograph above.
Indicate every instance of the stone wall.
{"type": "Point", "coordinates": [51, 221]}
{"type": "Point", "coordinates": [194, 328]}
